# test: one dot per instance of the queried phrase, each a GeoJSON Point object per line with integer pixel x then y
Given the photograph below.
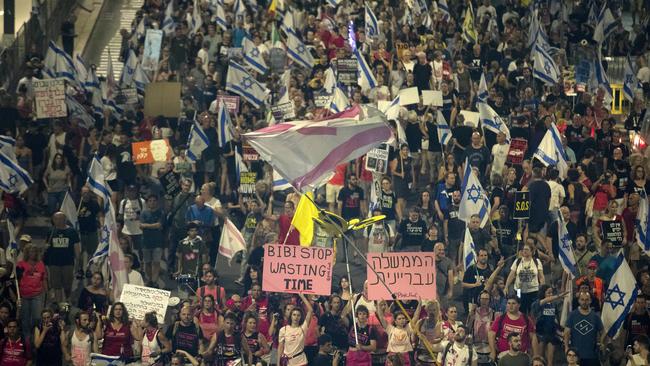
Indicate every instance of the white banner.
{"type": "Point", "coordinates": [140, 300]}
{"type": "Point", "coordinates": [50, 98]}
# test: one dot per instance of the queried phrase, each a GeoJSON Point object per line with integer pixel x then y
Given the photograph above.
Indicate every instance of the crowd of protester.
{"type": "Point", "coordinates": [505, 308]}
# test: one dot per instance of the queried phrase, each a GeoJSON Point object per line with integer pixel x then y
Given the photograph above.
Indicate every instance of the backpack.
{"type": "Point", "coordinates": [217, 301]}
{"type": "Point", "coordinates": [448, 347]}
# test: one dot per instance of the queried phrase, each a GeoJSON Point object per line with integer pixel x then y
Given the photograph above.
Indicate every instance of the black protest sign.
{"type": "Point", "coordinates": [522, 205]}
{"type": "Point", "coordinates": [612, 231]}
{"type": "Point", "coordinates": [171, 184]}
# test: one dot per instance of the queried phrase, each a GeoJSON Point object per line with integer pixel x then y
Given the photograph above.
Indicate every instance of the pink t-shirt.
{"type": "Point", "coordinates": [31, 282]}
{"type": "Point", "coordinates": [518, 326]}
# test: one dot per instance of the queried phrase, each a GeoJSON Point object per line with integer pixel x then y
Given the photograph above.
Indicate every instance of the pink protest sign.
{"type": "Point", "coordinates": [408, 275]}
{"type": "Point", "coordinates": [295, 269]}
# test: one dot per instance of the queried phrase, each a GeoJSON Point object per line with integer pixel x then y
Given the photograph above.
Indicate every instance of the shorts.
{"type": "Point", "coordinates": [60, 276]}
{"type": "Point", "coordinates": [549, 338]}
{"type": "Point", "coordinates": [332, 192]}
{"type": "Point", "coordinates": [151, 255]}
{"type": "Point", "coordinates": [136, 241]}
{"type": "Point", "coordinates": [89, 242]}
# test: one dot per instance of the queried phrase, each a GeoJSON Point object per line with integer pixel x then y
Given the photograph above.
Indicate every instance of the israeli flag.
{"type": "Point", "coordinates": [140, 78]}
{"type": "Point", "coordinates": [605, 26]}
{"type": "Point", "coordinates": [366, 78]}
{"type": "Point", "coordinates": [482, 94]}
{"type": "Point", "coordinates": [444, 9]}
{"type": "Point", "coordinates": [280, 183]}
{"type": "Point", "coordinates": [288, 24]}
{"type": "Point", "coordinates": [372, 26]}
{"type": "Point", "coordinates": [492, 121]}
{"type": "Point", "coordinates": [474, 200]}
{"type": "Point", "coordinates": [239, 9]}
{"type": "Point", "coordinates": [78, 112]}
{"type": "Point", "coordinates": [602, 80]}
{"type": "Point", "coordinates": [253, 57]}
{"type": "Point", "coordinates": [298, 52]}
{"type": "Point", "coordinates": [551, 151]}
{"type": "Point", "coordinates": [7, 146]}
{"type": "Point", "coordinates": [58, 64]}
{"type": "Point", "coordinates": [240, 82]}
{"type": "Point", "coordinates": [285, 84]}
{"type": "Point", "coordinates": [196, 21]}
{"type": "Point", "coordinates": [220, 17]}
{"type": "Point", "coordinates": [81, 71]}
{"type": "Point", "coordinates": [13, 178]}
{"type": "Point", "coordinates": [197, 141]}
{"type": "Point", "coordinates": [444, 132]}
{"type": "Point", "coordinates": [630, 82]}
{"type": "Point", "coordinates": [339, 101]}
{"type": "Point", "coordinates": [619, 298]}
{"type": "Point", "coordinates": [97, 359]}
{"type": "Point", "coordinates": [126, 79]}
{"type": "Point", "coordinates": [97, 182]}
{"type": "Point", "coordinates": [392, 110]}
{"type": "Point", "coordinates": [544, 67]}
{"type": "Point", "coordinates": [240, 166]}
{"type": "Point", "coordinates": [642, 224]}
{"type": "Point", "coordinates": [12, 251]}
{"type": "Point", "coordinates": [224, 126]}
{"type": "Point", "coordinates": [565, 244]}
{"type": "Point", "coordinates": [536, 33]}
{"type": "Point", "coordinates": [469, 250]}
{"type": "Point", "coordinates": [168, 22]}
{"type": "Point", "coordinates": [69, 209]}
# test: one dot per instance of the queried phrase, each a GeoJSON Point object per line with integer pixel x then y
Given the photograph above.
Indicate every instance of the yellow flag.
{"type": "Point", "coordinates": [303, 219]}
{"type": "Point", "coordinates": [469, 32]}
{"type": "Point", "coordinates": [273, 7]}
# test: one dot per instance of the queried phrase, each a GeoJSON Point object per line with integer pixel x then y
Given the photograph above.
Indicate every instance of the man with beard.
{"type": "Point", "coordinates": [583, 331]}
{"type": "Point", "coordinates": [453, 226]}
{"type": "Point", "coordinates": [457, 353]}
{"type": "Point", "coordinates": [185, 334]}
{"type": "Point", "coordinates": [476, 276]}
{"type": "Point", "coordinates": [80, 342]}
{"type": "Point", "coordinates": [514, 356]}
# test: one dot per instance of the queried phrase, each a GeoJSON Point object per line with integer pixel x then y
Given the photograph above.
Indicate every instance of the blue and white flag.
{"type": "Point", "coordinates": [77, 111]}
{"type": "Point", "coordinates": [69, 209]}
{"type": "Point", "coordinates": [58, 64]}
{"type": "Point", "coordinates": [224, 126]}
{"type": "Point", "coordinates": [240, 82]}
{"type": "Point", "coordinates": [13, 178]}
{"type": "Point", "coordinates": [285, 84]}
{"type": "Point", "coordinates": [630, 82]}
{"type": "Point", "coordinates": [536, 33]}
{"type": "Point", "coordinates": [298, 52]}
{"type": "Point", "coordinates": [197, 141]}
{"type": "Point", "coordinates": [81, 70]}
{"type": "Point", "coordinates": [605, 26]}
{"type": "Point", "coordinates": [240, 166]}
{"type": "Point", "coordinates": [339, 101]}
{"type": "Point", "coordinates": [565, 244]}
{"type": "Point", "coordinates": [372, 25]}
{"type": "Point", "coordinates": [220, 17]}
{"type": "Point", "coordinates": [601, 79]}
{"type": "Point", "coordinates": [619, 298]}
{"type": "Point", "coordinates": [168, 22]}
{"type": "Point", "coordinates": [140, 79]}
{"type": "Point", "coordinates": [444, 132]}
{"type": "Point", "coordinates": [392, 110]}
{"type": "Point", "coordinates": [642, 224]}
{"type": "Point", "coordinates": [469, 250]}
{"type": "Point", "coordinates": [492, 121]}
{"type": "Point", "coordinates": [126, 79]}
{"type": "Point", "coordinates": [97, 182]}
{"type": "Point", "coordinates": [12, 250]}
{"type": "Point", "coordinates": [474, 200]}
{"type": "Point", "coordinates": [444, 9]}
{"type": "Point", "coordinates": [330, 80]}
{"type": "Point", "coordinates": [197, 21]}
{"type": "Point", "coordinates": [366, 78]}
{"type": "Point", "coordinates": [551, 151]}
{"type": "Point", "coordinates": [482, 95]}
{"type": "Point", "coordinates": [8, 146]}
{"type": "Point", "coordinates": [253, 57]}
{"type": "Point", "coordinates": [280, 183]}
{"type": "Point", "coordinates": [239, 9]}
{"type": "Point", "coordinates": [333, 3]}
{"type": "Point", "coordinates": [288, 25]}
{"type": "Point", "coordinates": [544, 67]}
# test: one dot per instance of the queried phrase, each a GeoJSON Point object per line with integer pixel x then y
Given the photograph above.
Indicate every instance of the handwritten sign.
{"type": "Point", "coordinates": [522, 205]}
{"type": "Point", "coordinates": [147, 152]}
{"type": "Point", "coordinates": [283, 111]}
{"type": "Point", "coordinates": [50, 98]}
{"type": "Point", "coordinates": [517, 151]}
{"type": "Point", "coordinates": [612, 231]}
{"type": "Point", "coordinates": [377, 159]}
{"type": "Point", "coordinates": [410, 275]}
{"type": "Point", "coordinates": [296, 269]}
{"type": "Point", "coordinates": [171, 184]}
{"type": "Point", "coordinates": [141, 300]}
{"type": "Point", "coordinates": [247, 182]}
{"type": "Point", "coordinates": [231, 101]}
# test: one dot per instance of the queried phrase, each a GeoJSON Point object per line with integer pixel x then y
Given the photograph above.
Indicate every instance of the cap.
{"type": "Point", "coordinates": [26, 238]}
{"type": "Point", "coordinates": [592, 264]}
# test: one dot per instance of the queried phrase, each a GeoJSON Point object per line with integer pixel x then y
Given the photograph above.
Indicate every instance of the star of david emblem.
{"type": "Point", "coordinates": [566, 242]}
{"type": "Point", "coordinates": [300, 49]}
{"type": "Point", "coordinates": [628, 79]}
{"type": "Point", "coordinates": [255, 52]}
{"type": "Point", "coordinates": [13, 179]}
{"type": "Point", "coordinates": [105, 235]}
{"type": "Point", "coordinates": [498, 123]}
{"type": "Point", "coordinates": [547, 67]}
{"type": "Point", "coordinates": [247, 83]}
{"type": "Point", "coordinates": [474, 193]}
{"type": "Point", "coordinates": [609, 298]}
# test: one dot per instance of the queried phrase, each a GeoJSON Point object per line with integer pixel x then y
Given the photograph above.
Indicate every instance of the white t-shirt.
{"type": "Point", "coordinates": [135, 278]}
{"type": "Point", "coordinates": [294, 343]}
{"type": "Point", "coordinates": [500, 155]}
{"type": "Point", "coordinates": [526, 274]}
{"type": "Point", "coordinates": [458, 355]}
{"type": "Point", "coordinates": [399, 339]}
{"type": "Point", "coordinates": [557, 195]}
{"type": "Point", "coordinates": [131, 210]}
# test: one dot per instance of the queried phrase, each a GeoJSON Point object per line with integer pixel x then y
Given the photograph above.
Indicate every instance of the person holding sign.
{"type": "Point", "coordinates": [291, 346]}
{"type": "Point", "coordinates": [610, 226]}
{"type": "Point", "coordinates": [400, 333]}
{"type": "Point", "coordinates": [229, 346]}
{"type": "Point", "coordinates": [118, 332]}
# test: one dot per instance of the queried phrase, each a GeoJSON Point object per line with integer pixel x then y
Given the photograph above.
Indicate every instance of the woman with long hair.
{"type": "Point", "coordinates": [117, 332]}
{"type": "Point", "coordinates": [48, 342]}
{"type": "Point", "coordinates": [32, 283]}
{"type": "Point", "coordinates": [401, 168]}
{"type": "Point", "coordinates": [154, 343]}
{"type": "Point", "coordinates": [546, 310]}
{"type": "Point", "coordinates": [208, 318]}
{"type": "Point", "coordinates": [252, 276]}
{"type": "Point", "coordinates": [527, 273]}
{"type": "Point", "coordinates": [345, 290]}
{"type": "Point", "coordinates": [94, 297]}
{"type": "Point", "coordinates": [291, 341]}
{"type": "Point", "coordinates": [257, 343]}
{"type": "Point", "coordinates": [400, 332]}
{"type": "Point", "coordinates": [426, 206]}
{"type": "Point", "coordinates": [57, 180]}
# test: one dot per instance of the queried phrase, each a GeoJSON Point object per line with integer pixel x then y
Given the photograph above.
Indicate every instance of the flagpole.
{"type": "Point", "coordinates": [354, 316]}
{"type": "Point", "coordinates": [424, 340]}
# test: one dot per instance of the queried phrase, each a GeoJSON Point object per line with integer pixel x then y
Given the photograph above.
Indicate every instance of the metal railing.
{"type": "Point", "coordinates": [33, 36]}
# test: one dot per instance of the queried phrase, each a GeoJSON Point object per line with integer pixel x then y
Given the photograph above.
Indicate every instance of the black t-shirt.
{"type": "Point", "coordinates": [422, 75]}
{"type": "Point", "coordinates": [364, 334]}
{"type": "Point", "coordinates": [334, 327]}
{"type": "Point", "coordinates": [88, 211]}
{"type": "Point", "coordinates": [455, 226]}
{"type": "Point", "coordinates": [125, 167]}
{"type": "Point", "coordinates": [463, 134]}
{"type": "Point", "coordinates": [475, 275]}
{"type": "Point", "coordinates": [413, 233]}
{"type": "Point", "coordinates": [413, 136]}
{"type": "Point", "coordinates": [478, 157]}
{"type": "Point", "coordinates": [323, 360]}
{"type": "Point", "coordinates": [60, 251]}
{"type": "Point", "coordinates": [351, 199]}
{"type": "Point", "coordinates": [540, 196]}
{"type": "Point", "coordinates": [635, 325]}
{"type": "Point", "coordinates": [186, 338]}
{"type": "Point", "coordinates": [505, 235]}
{"type": "Point", "coordinates": [387, 203]}
{"type": "Point", "coordinates": [434, 142]}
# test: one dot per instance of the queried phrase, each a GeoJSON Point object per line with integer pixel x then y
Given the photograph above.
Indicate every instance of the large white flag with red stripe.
{"type": "Point", "coordinates": [305, 153]}
{"type": "Point", "coordinates": [231, 242]}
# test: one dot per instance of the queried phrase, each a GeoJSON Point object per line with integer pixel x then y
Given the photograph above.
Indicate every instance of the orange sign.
{"type": "Point", "coordinates": [147, 152]}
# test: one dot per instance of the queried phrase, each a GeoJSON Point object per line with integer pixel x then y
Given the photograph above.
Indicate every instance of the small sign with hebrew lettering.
{"type": "Point", "coordinates": [409, 275]}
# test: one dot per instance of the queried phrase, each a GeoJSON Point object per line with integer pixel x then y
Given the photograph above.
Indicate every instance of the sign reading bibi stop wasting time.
{"type": "Point", "coordinates": [295, 269]}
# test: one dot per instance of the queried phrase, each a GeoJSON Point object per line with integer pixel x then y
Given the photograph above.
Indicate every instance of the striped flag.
{"type": "Point", "coordinates": [12, 250]}
{"type": "Point", "coordinates": [224, 125]}
{"type": "Point", "coordinates": [606, 24]}
{"type": "Point", "coordinates": [469, 250]}
{"type": "Point", "coordinates": [602, 80]}
{"type": "Point", "coordinates": [444, 132]}
{"type": "Point", "coordinates": [280, 183]}
{"type": "Point", "coordinates": [630, 82]}
{"type": "Point", "coordinates": [77, 111]}
{"type": "Point", "coordinates": [339, 101]}
{"type": "Point", "coordinates": [253, 57]}
{"type": "Point", "coordinates": [444, 9]}
{"type": "Point", "coordinates": [551, 151]}
{"type": "Point", "coordinates": [492, 121]}
{"type": "Point", "coordinates": [474, 200]}
{"type": "Point", "coordinates": [168, 22]}
{"type": "Point", "coordinates": [642, 224]}
{"type": "Point", "coordinates": [372, 25]}
{"type": "Point", "coordinates": [482, 94]}
{"type": "Point", "coordinates": [58, 64]}
{"type": "Point", "coordinates": [306, 152]}
{"type": "Point", "coordinates": [126, 79]}
{"type": "Point", "coordinates": [13, 178]}
{"type": "Point", "coordinates": [544, 67]}
{"type": "Point", "coordinates": [231, 241]}
{"type": "Point", "coordinates": [69, 209]}
{"type": "Point", "coordinates": [619, 298]}
{"type": "Point", "coordinates": [366, 77]}
{"type": "Point", "coordinates": [298, 52]}
{"type": "Point", "coordinates": [240, 82]}
{"type": "Point", "coordinates": [7, 146]}
{"type": "Point", "coordinates": [197, 141]}
{"type": "Point", "coordinates": [565, 244]}
{"type": "Point", "coordinates": [220, 17]}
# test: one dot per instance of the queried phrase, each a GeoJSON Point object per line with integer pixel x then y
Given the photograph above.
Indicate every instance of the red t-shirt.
{"type": "Point", "coordinates": [15, 353]}
{"type": "Point", "coordinates": [517, 326]}
{"type": "Point", "coordinates": [285, 226]}
{"type": "Point", "coordinates": [339, 175]}
{"type": "Point", "coordinates": [31, 282]}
